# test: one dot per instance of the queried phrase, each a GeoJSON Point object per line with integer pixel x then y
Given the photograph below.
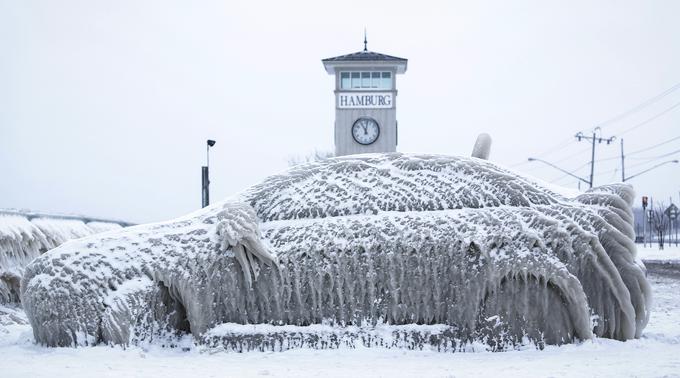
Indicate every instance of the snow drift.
{"type": "Point", "coordinates": [395, 250]}
{"type": "Point", "coordinates": [23, 239]}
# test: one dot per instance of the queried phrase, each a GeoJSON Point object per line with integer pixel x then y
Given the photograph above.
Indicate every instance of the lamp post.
{"type": "Point", "coordinates": [647, 170]}
{"type": "Point", "coordinates": [205, 179]}
{"type": "Point", "coordinates": [590, 183]}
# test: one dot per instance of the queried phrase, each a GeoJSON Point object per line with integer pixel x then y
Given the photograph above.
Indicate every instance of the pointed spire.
{"type": "Point", "coordinates": [365, 41]}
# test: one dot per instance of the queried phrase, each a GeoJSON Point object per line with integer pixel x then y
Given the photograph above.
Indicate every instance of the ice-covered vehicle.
{"type": "Point", "coordinates": [393, 250]}
{"type": "Point", "coordinates": [24, 235]}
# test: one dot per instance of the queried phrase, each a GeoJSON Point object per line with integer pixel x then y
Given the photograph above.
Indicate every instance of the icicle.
{"type": "Point", "coordinates": [237, 229]}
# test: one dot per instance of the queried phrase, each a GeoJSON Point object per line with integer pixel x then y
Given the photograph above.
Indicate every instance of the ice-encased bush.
{"type": "Point", "coordinates": [23, 239]}
{"type": "Point", "coordinates": [393, 250]}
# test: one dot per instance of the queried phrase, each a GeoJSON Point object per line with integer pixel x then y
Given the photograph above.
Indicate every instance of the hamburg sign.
{"type": "Point", "coordinates": [366, 100]}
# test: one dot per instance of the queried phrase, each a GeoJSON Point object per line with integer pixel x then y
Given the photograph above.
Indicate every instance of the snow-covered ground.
{"type": "Point", "coordinates": [656, 354]}
{"type": "Point", "coordinates": [669, 253]}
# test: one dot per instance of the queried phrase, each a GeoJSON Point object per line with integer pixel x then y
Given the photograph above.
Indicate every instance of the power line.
{"type": "Point", "coordinates": [650, 119]}
{"type": "Point", "coordinates": [558, 161]}
{"type": "Point", "coordinates": [573, 171]}
{"type": "Point", "coordinates": [607, 172]}
{"type": "Point", "coordinates": [651, 159]}
{"type": "Point", "coordinates": [649, 169]}
{"type": "Point", "coordinates": [579, 152]}
{"type": "Point", "coordinates": [616, 170]}
{"type": "Point", "coordinates": [654, 146]}
{"type": "Point", "coordinates": [638, 151]}
{"type": "Point", "coordinates": [518, 164]}
{"type": "Point", "coordinates": [558, 147]}
{"type": "Point", "coordinates": [640, 106]}
{"type": "Point", "coordinates": [566, 142]}
{"type": "Point", "coordinates": [607, 159]}
{"type": "Point", "coordinates": [547, 153]}
{"type": "Point", "coordinates": [580, 136]}
{"type": "Point", "coordinates": [640, 158]}
{"type": "Point", "coordinates": [639, 164]}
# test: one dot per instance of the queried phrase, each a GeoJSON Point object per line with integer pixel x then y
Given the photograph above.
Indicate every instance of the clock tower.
{"type": "Point", "coordinates": [365, 101]}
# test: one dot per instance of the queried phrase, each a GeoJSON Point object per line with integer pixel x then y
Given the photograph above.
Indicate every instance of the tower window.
{"type": "Point", "coordinates": [386, 81]}
{"type": "Point", "coordinates": [366, 80]}
{"type": "Point", "coordinates": [344, 80]}
{"type": "Point", "coordinates": [356, 80]}
{"type": "Point", "coordinates": [375, 80]}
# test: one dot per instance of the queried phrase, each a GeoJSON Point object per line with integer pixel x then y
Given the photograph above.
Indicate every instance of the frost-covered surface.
{"type": "Point", "coordinates": [482, 147]}
{"type": "Point", "coordinates": [655, 354]}
{"type": "Point", "coordinates": [22, 240]}
{"type": "Point", "coordinates": [366, 242]}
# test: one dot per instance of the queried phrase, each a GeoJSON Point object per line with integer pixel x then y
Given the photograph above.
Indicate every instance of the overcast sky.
{"type": "Point", "coordinates": [105, 105]}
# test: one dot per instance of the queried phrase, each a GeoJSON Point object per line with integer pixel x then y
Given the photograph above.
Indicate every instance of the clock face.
{"type": "Point", "coordinates": [365, 130]}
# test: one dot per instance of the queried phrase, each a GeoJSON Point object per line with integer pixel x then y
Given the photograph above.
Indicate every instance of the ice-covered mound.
{"type": "Point", "coordinates": [454, 249]}
{"type": "Point", "coordinates": [24, 238]}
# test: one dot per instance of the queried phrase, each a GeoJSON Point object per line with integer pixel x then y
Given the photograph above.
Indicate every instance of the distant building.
{"type": "Point", "coordinates": [365, 101]}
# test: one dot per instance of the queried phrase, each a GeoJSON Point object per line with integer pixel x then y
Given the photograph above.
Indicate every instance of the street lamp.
{"type": "Point", "coordinates": [590, 183]}
{"type": "Point", "coordinates": [205, 179]}
{"type": "Point", "coordinates": [647, 170]}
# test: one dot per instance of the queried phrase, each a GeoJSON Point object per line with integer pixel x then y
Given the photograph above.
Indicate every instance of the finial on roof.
{"type": "Point", "coordinates": [365, 41]}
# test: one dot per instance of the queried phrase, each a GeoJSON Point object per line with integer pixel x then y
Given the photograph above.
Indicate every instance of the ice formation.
{"type": "Point", "coordinates": [482, 147]}
{"type": "Point", "coordinates": [22, 240]}
{"type": "Point", "coordinates": [396, 250]}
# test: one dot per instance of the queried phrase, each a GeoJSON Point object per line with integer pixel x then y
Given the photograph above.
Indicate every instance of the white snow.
{"type": "Point", "coordinates": [668, 253]}
{"type": "Point", "coordinates": [656, 353]}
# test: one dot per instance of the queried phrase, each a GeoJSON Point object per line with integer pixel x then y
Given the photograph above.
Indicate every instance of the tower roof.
{"type": "Point", "coordinates": [363, 59]}
{"type": "Point", "coordinates": [363, 56]}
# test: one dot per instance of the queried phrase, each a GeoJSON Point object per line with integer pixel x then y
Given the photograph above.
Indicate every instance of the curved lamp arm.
{"type": "Point", "coordinates": [647, 170]}
{"type": "Point", "coordinates": [561, 170]}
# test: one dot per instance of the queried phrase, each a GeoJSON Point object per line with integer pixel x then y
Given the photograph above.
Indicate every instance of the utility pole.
{"type": "Point", "coordinates": [652, 168]}
{"type": "Point", "coordinates": [650, 217]}
{"type": "Point", "coordinates": [672, 213]}
{"type": "Point", "coordinates": [623, 165]}
{"type": "Point", "coordinates": [644, 222]}
{"type": "Point", "coordinates": [205, 177]}
{"type": "Point", "coordinates": [593, 139]}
